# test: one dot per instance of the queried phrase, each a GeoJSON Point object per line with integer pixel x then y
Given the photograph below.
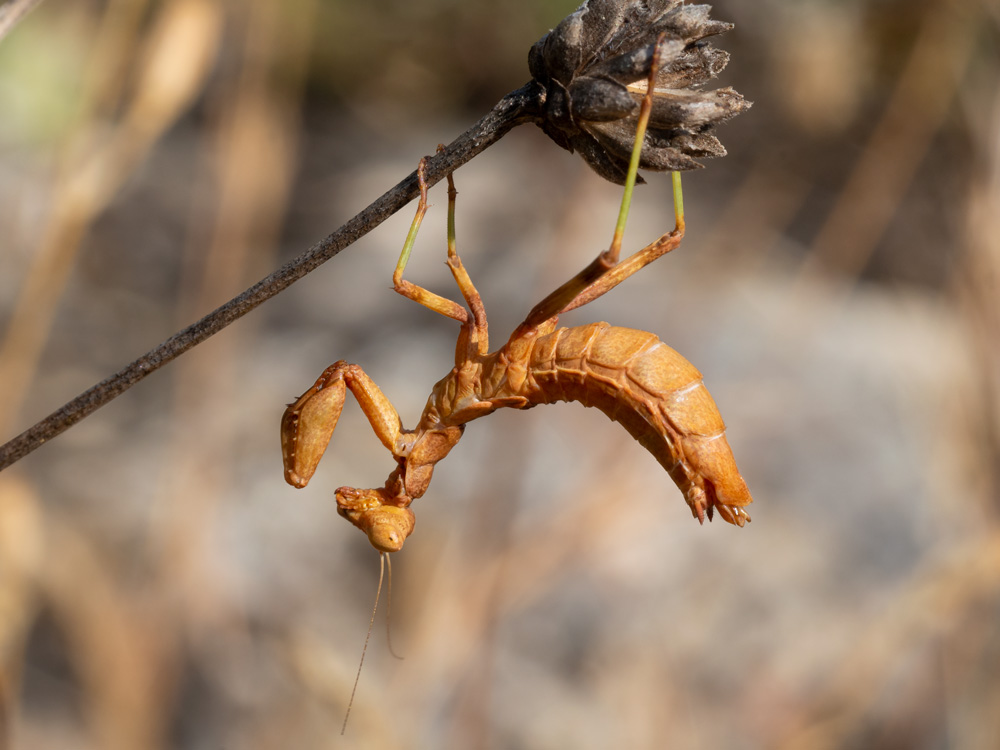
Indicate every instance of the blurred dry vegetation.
{"type": "Point", "coordinates": [161, 587]}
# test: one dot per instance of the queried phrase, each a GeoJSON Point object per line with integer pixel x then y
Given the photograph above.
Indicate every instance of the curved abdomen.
{"type": "Point", "coordinates": [656, 394]}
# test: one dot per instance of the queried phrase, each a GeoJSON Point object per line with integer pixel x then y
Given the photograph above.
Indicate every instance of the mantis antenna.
{"type": "Point", "coordinates": [382, 557]}
{"type": "Point", "coordinates": [388, 605]}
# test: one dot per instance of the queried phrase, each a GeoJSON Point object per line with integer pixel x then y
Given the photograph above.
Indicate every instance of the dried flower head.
{"type": "Point", "coordinates": [594, 67]}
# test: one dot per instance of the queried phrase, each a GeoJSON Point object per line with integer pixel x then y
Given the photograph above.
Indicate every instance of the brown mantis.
{"type": "Point", "coordinates": [630, 375]}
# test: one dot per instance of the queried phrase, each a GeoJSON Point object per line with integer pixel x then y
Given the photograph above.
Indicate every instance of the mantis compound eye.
{"type": "Point", "coordinates": [385, 519]}
{"type": "Point", "coordinates": [388, 527]}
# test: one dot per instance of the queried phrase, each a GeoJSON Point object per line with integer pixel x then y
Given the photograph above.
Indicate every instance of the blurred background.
{"type": "Point", "coordinates": [839, 286]}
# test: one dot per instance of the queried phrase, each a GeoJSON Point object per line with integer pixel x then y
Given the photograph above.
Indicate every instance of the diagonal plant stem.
{"type": "Point", "coordinates": [12, 12]}
{"type": "Point", "coordinates": [518, 107]}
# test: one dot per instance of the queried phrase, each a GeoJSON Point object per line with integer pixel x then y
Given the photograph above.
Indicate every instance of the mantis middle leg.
{"type": "Point", "coordinates": [474, 337]}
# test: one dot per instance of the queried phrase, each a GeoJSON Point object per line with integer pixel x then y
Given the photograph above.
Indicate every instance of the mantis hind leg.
{"type": "Point", "coordinates": [604, 273]}
{"type": "Point", "coordinates": [621, 271]}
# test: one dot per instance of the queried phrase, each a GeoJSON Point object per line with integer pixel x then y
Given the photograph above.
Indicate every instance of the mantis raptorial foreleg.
{"type": "Point", "coordinates": [310, 420]}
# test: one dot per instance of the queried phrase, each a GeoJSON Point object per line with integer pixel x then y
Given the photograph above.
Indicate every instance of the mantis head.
{"type": "Point", "coordinates": [385, 519]}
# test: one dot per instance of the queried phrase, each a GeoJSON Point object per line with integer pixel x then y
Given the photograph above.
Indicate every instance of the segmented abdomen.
{"type": "Point", "coordinates": [654, 392]}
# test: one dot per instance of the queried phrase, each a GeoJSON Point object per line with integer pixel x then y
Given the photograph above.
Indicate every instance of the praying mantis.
{"type": "Point", "coordinates": [630, 375]}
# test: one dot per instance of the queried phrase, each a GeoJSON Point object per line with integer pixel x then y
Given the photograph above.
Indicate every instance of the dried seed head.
{"type": "Point", "coordinates": [594, 67]}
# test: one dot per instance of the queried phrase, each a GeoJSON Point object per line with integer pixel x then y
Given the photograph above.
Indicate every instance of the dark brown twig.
{"type": "Point", "coordinates": [518, 107]}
